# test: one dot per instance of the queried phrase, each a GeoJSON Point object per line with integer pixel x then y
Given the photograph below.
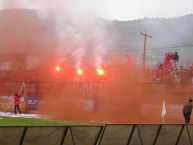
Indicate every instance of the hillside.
{"type": "Point", "coordinates": [172, 32]}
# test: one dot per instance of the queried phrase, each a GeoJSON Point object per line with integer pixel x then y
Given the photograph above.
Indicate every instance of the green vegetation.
{"type": "Point", "coordinates": [18, 121]}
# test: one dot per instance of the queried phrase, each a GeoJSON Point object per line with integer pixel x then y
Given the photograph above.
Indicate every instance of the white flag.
{"type": "Point", "coordinates": [163, 109]}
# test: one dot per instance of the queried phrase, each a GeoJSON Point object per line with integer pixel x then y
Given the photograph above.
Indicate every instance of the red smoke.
{"type": "Point", "coordinates": [22, 31]}
{"type": "Point", "coordinates": [122, 98]}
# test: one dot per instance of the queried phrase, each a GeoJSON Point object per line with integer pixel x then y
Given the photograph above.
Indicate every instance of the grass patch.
{"type": "Point", "coordinates": [19, 121]}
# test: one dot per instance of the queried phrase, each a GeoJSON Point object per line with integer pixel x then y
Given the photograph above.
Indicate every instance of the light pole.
{"type": "Point", "coordinates": [144, 49]}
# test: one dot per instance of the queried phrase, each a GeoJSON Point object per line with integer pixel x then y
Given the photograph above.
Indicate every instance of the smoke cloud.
{"type": "Point", "coordinates": [71, 30]}
{"type": "Point", "coordinates": [121, 98]}
{"type": "Point", "coordinates": [80, 33]}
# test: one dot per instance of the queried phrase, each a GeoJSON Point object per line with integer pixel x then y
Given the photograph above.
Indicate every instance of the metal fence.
{"type": "Point", "coordinates": [94, 96]}
{"type": "Point", "coordinates": [46, 89]}
{"type": "Point", "coordinates": [122, 134]}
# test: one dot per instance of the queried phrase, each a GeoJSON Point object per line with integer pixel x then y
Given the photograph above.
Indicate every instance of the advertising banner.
{"type": "Point", "coordinates": [33, 102]}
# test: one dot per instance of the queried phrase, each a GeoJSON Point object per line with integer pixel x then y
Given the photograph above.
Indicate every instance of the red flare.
{"type": "Point", "coordinates": [57, 68]}
{"type": "Point", "coordinates": [79, 72]}
{"type": "Point", "coordinates": [100, 71]}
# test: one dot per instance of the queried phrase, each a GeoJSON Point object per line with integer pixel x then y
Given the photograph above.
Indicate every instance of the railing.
{"type": "Point", "coordinates": [109, 134]}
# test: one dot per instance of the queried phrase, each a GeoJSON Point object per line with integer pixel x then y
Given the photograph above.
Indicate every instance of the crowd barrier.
{"type": "Point", "coordinates": [109, 134]}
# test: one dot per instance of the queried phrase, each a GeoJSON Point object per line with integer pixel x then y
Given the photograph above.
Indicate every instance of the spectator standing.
{"type": "Point", "coordinates": [176, 57]}
{"type": "Point", "coordinates": [187, 111]}
{"type": "Point", "coordinates": [16, 104]}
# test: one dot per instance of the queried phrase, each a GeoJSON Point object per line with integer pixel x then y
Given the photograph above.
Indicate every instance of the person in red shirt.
{"type": "Point", "coordinates": [16, 104]}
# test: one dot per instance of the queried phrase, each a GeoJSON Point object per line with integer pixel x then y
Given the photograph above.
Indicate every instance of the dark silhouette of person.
{"type": "Point", "coordinates": [176, 57]}
{"type": "Point", "coordinates": [16, 104]}
{"type": "Point", "coordinates": [187, 110]}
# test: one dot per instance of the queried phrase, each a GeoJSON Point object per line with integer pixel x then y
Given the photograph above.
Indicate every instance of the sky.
{"type": "Point", "coordinates": [135, 9]}
{"type": "Point", "coordinates": [115, 9]}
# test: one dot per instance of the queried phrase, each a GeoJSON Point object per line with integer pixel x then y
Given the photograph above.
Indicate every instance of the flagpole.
{"type": "Point", "coordinates": [163, 120]}
{"type": "Point", "coordinates": [21, 88]}
{"type": "Point", "coordinates": [163, 113]}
